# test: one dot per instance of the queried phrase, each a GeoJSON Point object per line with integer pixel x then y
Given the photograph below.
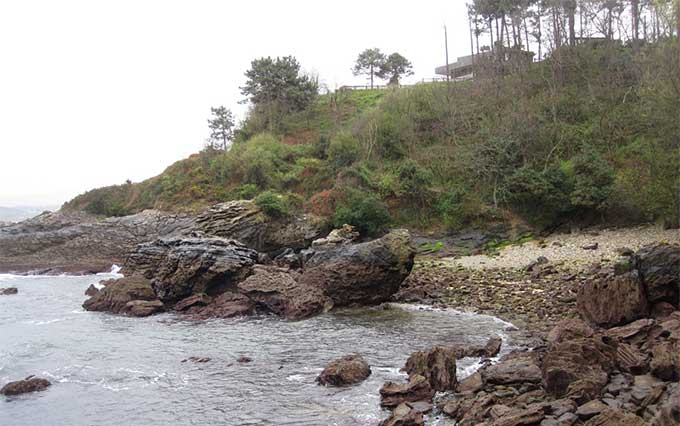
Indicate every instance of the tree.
{"type": "Point", "coordinates": [394, 67]}
{"type": "Point", "coordinates": [369, 62]}
{"type": "Point", "coordinates": [221, 127]}
{"type": "Point", "coordinates": [277, 86]}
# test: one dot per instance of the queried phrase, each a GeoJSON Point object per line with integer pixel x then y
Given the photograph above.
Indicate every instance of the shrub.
{"type": "Point", "coordinates": [593, 181]}
{"type": "Point", "coordinates": [247, 191]}
{"type": "Point", "coordinates": [272, 204]}
{"type": "Point", "coordinates": [414, 180]}
{"type": "Point", "coordinates": [343, 150]}
{"type": "Point", "coordinates": [542, 196]}
{"type": "Point", "coordinates": [364, 211]}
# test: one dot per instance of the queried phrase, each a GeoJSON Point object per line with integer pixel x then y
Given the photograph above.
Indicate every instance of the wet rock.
{"type": "Point", "coordinates": [143, 308]}
{"type": "Point", "coordinates": [541, 260]}
{"type": "Point", "coordinates": [226, 305]}
{"type": "Point", "coordinates": [662, 310]}
{"type": "Point", "coordinates": [417, 389]}
{"type": "Point", "coordinates": [569, 329]}
{"type": "Point", "coordinates": [472, 383]}
{"type": "Point", "coordinates": [590, 409]}
{"type": "Point", "coordinates": [669, 409]}
{"type": "Point", "coordinates": [632, 332]}
{"type": "Point", "coordinates": [489, 350]}
{"type": "Point", "coordinates": [244, 359]}
{"type": "Point", "coordinates": [404, 415]}
{"type": "Point", "coordinates": [117, 293]}
{"type": "Point", "coordinates": [613, 300]}
{"type": "Point", "coordinates": [91, 290]}
{"type": "Point", "coordinates": [29, 384]}
{"type": "Point", "coordinates": [347, 234]}
{"type": "Point", "coordinates": [244, 221]}
{"type": "Point", "coordinates": [196, 359]}
{"type": "Point", "coordinates": [659, 268]}
{"type": "Point", "coordinates": [578, 368]}
{"type": "Point", "coordinates": [200, 299]}
{"type": "Point", "coordinates": [7, 291]}
{"type": "Point", "coordinates": [288, 259]}
{"type": "Point", "coordinates": [365, 273]}
{"type": "Point", "coordinates": [611, 417]}
{"type": "Point", "coordinates": [593, 246]}
{"type": "Point", "coordinates": [347, 370]}
{"type": "Point", "coordinates": [279, 291]}
{"type": "Point", "coordinates": [517, 367]}
{"type": "Point", "coordinates": [437, 365]}
{"type": "Point", "coordinates": [180, 267]}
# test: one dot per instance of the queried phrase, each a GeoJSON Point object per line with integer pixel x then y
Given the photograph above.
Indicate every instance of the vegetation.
{"type": "Point", "coordinates": [221, 127]}
{"type": "Point", "coordinates": [591, 133]}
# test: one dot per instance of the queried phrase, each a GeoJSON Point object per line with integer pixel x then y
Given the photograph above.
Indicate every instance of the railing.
{"type": "Point", "coordinates": [365, 87]}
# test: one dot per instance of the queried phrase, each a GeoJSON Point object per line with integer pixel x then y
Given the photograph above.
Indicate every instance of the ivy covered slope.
{"type": "Point", "coordinates": [590, 134]}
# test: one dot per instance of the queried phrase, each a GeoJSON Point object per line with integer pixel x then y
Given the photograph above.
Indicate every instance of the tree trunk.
{"type": "Point", "coordinates": [371, 77]}
{"type": "Point", "coordinates": [571, 13]}
{"type": "Point", "coordinates": [677, 18]}
{"type": "Point", "coordinates": [635, 16]}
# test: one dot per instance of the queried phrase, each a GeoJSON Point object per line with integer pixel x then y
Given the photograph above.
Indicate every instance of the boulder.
{"type": "Point", "coordinates": [118, 292]}
{"type": "Point", "coordinates": [613, 299]}
{"type": "Point", "coordinates": [578, 368]}
{"type": "Point", "coordinates": [665, 363]}
{"type": "Point", "coordinates": [569, 329]}
{"type": "Point", "coordinates": [7, 291]}
{"type": "Point", "coordinates": [226, 305]}
{"type": "Point", "coordinates": [472, 383]}
{"type": "Point", "coordinates": [521, 417]}
{"type": "Point", "coordinates": [365, 273]}
{"type": "Point", "coordinates": [516, 367]}
{"type": "Point", "coordinates": [417, 389]}
{"type": "Point", "coordinates": [279, 291]}
{"type": "Point", "coordinates": [244, 221]}
{"type": "Point", "coordinates": [669, 409]}
{"type": "Point", "coordinates": [590, 409]}
{"type": "Point", "coordinates": [91, 290]}
{"type": "Point", "coordinates": [659, 268]}
{"type": "Point", "coordinates": [347, 370]}
{"type": "Point", "coordinates": [180, 267]}
{"type": "Point", "coordinates": [196, 300]}
{"type": "Point", "coordinates": [143, 308]}
{"type": "Point", "coordinates": [437, 365]}
{"type": "Point", "coordinates": [29, 384]}
{"type": "Point", "coordinates": [404, 415]}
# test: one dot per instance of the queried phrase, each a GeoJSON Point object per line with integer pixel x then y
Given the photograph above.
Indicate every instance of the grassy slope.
{"type": "Point", "coordinates": [588, 135]}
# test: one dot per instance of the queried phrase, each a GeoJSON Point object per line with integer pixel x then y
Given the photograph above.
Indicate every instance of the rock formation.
{"type": "Point", "coordinates": [347, 370]}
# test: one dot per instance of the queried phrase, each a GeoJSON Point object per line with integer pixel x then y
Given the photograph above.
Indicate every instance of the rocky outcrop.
{"type": "Point", "coordinates": [244, 221]}
{"type": "Point", "coordinates": [116, 295]}
{"type": "Point", "coordinates": [364, 273]}
{"type": "Point", "coordinates": [180, 267]}
{"type": "Point", "coordinates": [648, 281]}
{"type": "Point", "coordinates": [404, 415]}
{"type": "Point", "coordinates": [29, 384]}
{"type": "Point", "coordinates": [80, 243]}
{"type": "Point", "coordinates": [347, 370]}
{"type": "Point", "coordinates": [612, 300]}
{"type": "Point", "coordinates": [213, 276]}
{"type": "Point", "coordinates": [437, 365]}
{"type": "Point", "coordinates": [280, 291]}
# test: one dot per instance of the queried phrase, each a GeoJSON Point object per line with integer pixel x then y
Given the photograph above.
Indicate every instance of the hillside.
{"type": "Point", "coordinates": [590, 134]}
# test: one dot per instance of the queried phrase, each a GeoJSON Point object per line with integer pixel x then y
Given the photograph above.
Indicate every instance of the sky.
{"type": "Point", "coordinates": [95, 92]}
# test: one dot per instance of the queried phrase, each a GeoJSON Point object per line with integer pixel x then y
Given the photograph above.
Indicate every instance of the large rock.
{"type": "Point", "coordinates": [437, 365]}
{"type": "Point", "coordinates": [364, 273]}
{"type": "Point", "coordinates": [244, 221]}
{"type": "Point", "coordinates": [516, 367]}
{"type": "Point", "coordinates": [613, 299]}
{"type": "Point", "coordinates": [404, 415]}
{"type": "Point", "coordinates": [579, 368]}
{"type": "Point", "coordinates": [659, 268]}
{"type": "Point", "coordinates": [610, 417]}
{"type": "Point", "coordinates": [79, 243]}
{"type": "Point", "coordinates": [29, 384]}
{"type": "Point", "coordinates": [279, 291]}
{"type": "Point", "coordinates": [116, 295]}
{"type": "Point", "coordinates": [417, 389]}
{"type": "Point", "coordinates": [347, 370]}
{"type": "Point", "coordinates": [179, 267]}
{"type": "Point", "coordinates": [8, 291]}
{"type": "Point", "coordinates": [226, 305]}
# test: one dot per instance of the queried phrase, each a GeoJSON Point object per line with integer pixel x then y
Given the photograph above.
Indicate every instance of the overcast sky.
{"type": "Point", "coordinates": [95, 92]}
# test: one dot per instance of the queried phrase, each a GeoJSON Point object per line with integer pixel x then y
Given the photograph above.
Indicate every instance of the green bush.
{"type": "Point", "coordinates": [542, 196]}
{"type": "Point", "coordinates": [363, 210]}
{"type": "Point", "coordinates": [247, 191]}
{"type": "Point", "coordinates": [272, 204]}
{"type": "Point", "coordinates": [414, 180]}
{"type": "Point", "coordinates": [593, 181]}
{"type": "Point", "coordinates": [343, 150]}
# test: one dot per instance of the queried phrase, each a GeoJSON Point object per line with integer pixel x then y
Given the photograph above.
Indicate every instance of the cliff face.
{"type": "Point", "coordinates": [76, 242]}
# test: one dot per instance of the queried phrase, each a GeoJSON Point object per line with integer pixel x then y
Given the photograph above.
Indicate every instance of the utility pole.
{"type": "Point", "coordinates": [446, 47]}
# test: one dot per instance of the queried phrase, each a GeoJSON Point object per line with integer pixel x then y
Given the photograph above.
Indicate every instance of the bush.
{"type": "Point", "coordinates": [593, 181]}
{"type": "Point", "coordinates": [414, 180]}
{"type": "Point", "coordinates": [364, 211]}
{"type": "Point", "coordinates": [247, 191]}
{"type": "Point", "coordinates": [541, 196]}
{"type": "Point", "coordinates": [272, 204]}
{"type": "Point", "coordinates": [343, 150]}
